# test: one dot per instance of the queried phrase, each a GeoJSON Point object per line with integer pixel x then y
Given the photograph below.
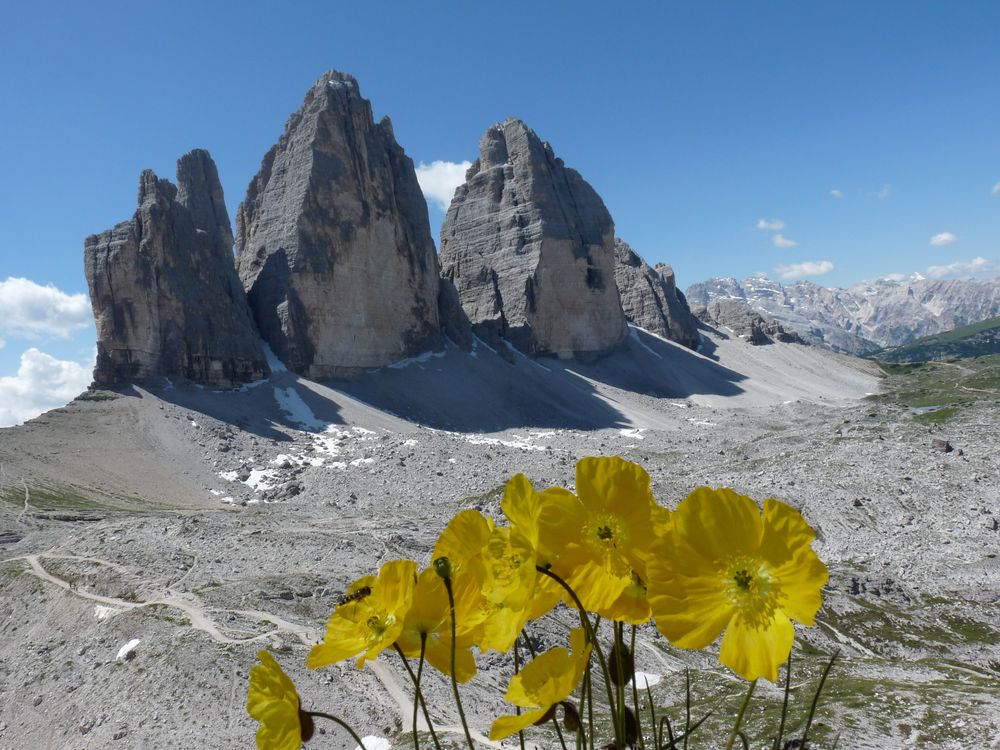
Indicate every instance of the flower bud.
{"type": "Point", "coordinates": [442, 566]}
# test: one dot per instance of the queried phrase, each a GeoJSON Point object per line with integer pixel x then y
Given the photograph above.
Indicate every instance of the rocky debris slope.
{"type": "Point", "coordinates": [745, 322]}
{"type": "Point", "coordinates": [334, 245]}
{"type": "Point", "coordinates": [529, 246]}
{"type": "Point", "coordinates": [865, 317]}
{"type": "Point", "coordinates": [651, 299]}
{"type": "Point", "coordinates": [166, 297]}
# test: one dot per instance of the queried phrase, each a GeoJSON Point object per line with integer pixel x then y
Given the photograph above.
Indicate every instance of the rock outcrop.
{"type": "Point", "coordinates": [529, 246]}
{"type": "Point", "coordinates": [166, 297]}
{"type": "Point", "coordinates": [651, 299]}
{"type": "Point", "coordinates": [745, 322]}
{"type": "Point", "coordinates": [333, 243]}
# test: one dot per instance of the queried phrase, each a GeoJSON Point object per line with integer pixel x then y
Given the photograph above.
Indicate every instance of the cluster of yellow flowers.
{"type": "Point", "coordinates": [714, 564]}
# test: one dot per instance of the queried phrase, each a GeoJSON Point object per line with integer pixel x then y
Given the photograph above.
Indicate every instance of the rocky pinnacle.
{"type": "Point", "coordinates": [164, 290]}
{"type": "Point", "coordinates": [529, 246]}
{"type": "Point", "coordinates": [333, 243]}
{"type": "Point", "coordinates": [651, 299]}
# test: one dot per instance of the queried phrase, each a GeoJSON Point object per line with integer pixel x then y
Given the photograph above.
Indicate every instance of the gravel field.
{"type": "Point", "coordinates": [207, 525]}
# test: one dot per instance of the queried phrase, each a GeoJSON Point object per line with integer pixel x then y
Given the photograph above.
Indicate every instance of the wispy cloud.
{"type": "Point", "coordinates": [885, 192]}
{"type": "Point", "coordinates": [791, 271]}
{"type": "Point", "coordinates": [783, 242]}
{"type": "Point", "coordinates": [770, 225]}
{"type": "Point", "coordinates": [439, 179]}
{"type": "Point", "coordinates": [963, 269]}
{"type": "Point", "coordinates": [996, 190]}
{"type": "Point", "coordinates": [837, 193]}
{"type": "Point", "coordinates": [42, 382]}
{"type": "Point", "coordinates": [30, 310]}
{"type": "Point", "coordinates": [943, 238]}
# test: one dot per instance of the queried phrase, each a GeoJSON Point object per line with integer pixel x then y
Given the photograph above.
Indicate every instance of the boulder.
{"type": "Point", "coordinates": [651, 299]}
{"type": "Point", "coordinates": [166, 297]}
{"type": "Point", "coordinates": [529, 246]}
{"type": "Point", "coordinates": [333, 243]}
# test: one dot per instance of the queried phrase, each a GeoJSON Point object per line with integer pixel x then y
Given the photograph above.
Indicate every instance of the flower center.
{"type": "Point", "coordinates": [604, 532]}
{"type": "Point", "coordinates": [750, 589]}
{"type": "Point", "coordinates": [378, 625]}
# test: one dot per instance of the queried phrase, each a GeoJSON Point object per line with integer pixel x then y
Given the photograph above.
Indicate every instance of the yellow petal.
{"type": "Point", "coordinates": [438, 655]}
{"type": "Point", "coordinates": [273, 701]}
{"type": "Point", "coordinates": [754, 649]}
{"type": "Point", "coordinates": [505, 726]}
{"type": "Point", "coordinates": [798, 573]}
{"type": "Point", "coordinates": [686, 595]}
{"type": "Point", "coordinates": [463, 538]}
{"type": "Point", "coordinates": [719, 524]}
{"type": "Point", "coordinates": [610, 483]}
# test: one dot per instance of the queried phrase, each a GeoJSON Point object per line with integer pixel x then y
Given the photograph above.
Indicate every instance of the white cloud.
{"type": "Point", "coordinates": [439, 179]}
{"type": "Point", "coordinates": [943, 238]}
{"type": "Point", "coordinates": [959, 269]}
{"type": "Point", "coordinates": [996, 190]}
{"type": "Point", "coordinates": [837, 193]}
{"type": "Point", "coordinates": [30, 310]}
{"type": "Point", "coordinates": [2, 343]}
{"type": "Point", "coordinates": [885, 192]}
{"type": "Point", "coordinates": [774, 225]}
{"type": "Point", "coordinates": [42, 382]}
{"type": "Point", "coordinates": [893, 277]}
{"type": "Point", "coordinates": [783, 242]}
{"type": "Point", "coordinates": [801, 270]}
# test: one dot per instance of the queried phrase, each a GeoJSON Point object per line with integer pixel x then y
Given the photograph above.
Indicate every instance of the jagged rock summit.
{"type": "Point", "coordinates": [651, 299]}
{"type": "Point", "coordinates": [529, 246]}
{"type": "Point", "coordinates": [333, 243]}
{"type": "Point", "coordinates": [750, 325]}
{"type": "Point", "coordinates": [166, 297]}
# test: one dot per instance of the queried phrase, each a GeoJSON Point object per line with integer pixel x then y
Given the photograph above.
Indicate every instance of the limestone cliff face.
{"type": "Point", "coordinates": [333, 243]}
{"type": "Point", "coordinates": [650, 297]}
{"type": "Point", "coordinates": [754, 327]}
{"type": "Point", "coordinates": [529, 246]}
{"type": "Point", "coordinates": [166, 297]}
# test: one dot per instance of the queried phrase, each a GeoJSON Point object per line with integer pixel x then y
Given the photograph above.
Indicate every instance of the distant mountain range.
{"type": "Point", "coordinates": [863, 318]}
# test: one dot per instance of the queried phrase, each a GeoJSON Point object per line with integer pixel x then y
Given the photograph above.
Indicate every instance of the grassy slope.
{"type": "Point", "coordinates": [973, 340]}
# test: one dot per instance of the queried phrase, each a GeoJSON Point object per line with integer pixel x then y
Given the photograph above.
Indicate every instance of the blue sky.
{"type": "Point", "coordinates": [694, 121]}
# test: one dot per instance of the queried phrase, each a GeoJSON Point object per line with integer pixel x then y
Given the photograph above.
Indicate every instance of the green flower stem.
{"type": "Point", "coordinates": [687, 705]}
{"type": "Point", "coordinates": [620, 668]}
{"type": "Point", "coordinates": [592, 637]}
{"type": "Point", "coordinates": [555, 723]}
{"type": "Point", "coordinates": [517, 668]}
{"type": "Point", "coordinates": [342, 723]}
{"type": "Point", "coordinates": [815, 700]}
{"type": "Point", "coordinates": [635, 695]}
{"type": "Point", "coordinates": [739, 716]}
{"type": "Point", "coordinates": [419, 695]}
{"type": "Point", "coordinates": [454, 647]}
{"type": "Point", "coordinates": [784, 705]}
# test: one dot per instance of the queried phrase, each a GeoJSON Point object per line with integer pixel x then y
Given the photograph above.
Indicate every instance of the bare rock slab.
{"type": "Point", "coordinates": [166, 297]}
{"type": "Point", "coordinates": [529, 246]}
{"type": "Point", "coordinates": [333, 242]}
{"type": "Point", "coordinates": [651, 299]}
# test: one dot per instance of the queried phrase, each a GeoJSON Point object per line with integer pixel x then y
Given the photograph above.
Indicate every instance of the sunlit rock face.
{"type": "Point", "coordinates": [529, 246]}
{"type": "Point", "coordinates": [333, 243]}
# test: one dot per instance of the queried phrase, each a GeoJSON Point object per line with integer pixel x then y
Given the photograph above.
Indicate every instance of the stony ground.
{"type": "Point", "coordinates": [207, 526]}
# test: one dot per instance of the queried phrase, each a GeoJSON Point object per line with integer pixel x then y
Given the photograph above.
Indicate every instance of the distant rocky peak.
{"type": "Point", "coordinates": [200, 191]}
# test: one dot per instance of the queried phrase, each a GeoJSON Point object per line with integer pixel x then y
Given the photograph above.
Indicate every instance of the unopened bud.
{"type": "Point", "coordinates": [442, 566]}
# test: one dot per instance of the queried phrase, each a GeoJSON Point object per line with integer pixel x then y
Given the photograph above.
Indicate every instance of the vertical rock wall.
{"type": "Point", "coordinates": [166, 297]}
{"type": "Point", "coordinates": [333, 242]}
{"type": "Point", "coordinates": [529, 246]}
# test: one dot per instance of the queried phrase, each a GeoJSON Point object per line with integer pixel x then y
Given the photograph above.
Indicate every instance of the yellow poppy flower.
{"type": "Point", "coordinates": [370, 617]}
{"type": "Point", "coordinates": [545, 681]}
{"type": "Point", "coordinates": [493, 579]}
{"type": "Point", "coordinates": [523, 506]}
{"type": "Point", "coordinates": [723, 567]}
{"type": "Point", "coordinates": [607, 535]}
{"type": "Point", "coordinates": [273, 702]}
{"type": "Point", "coordinates": [429, 619]}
